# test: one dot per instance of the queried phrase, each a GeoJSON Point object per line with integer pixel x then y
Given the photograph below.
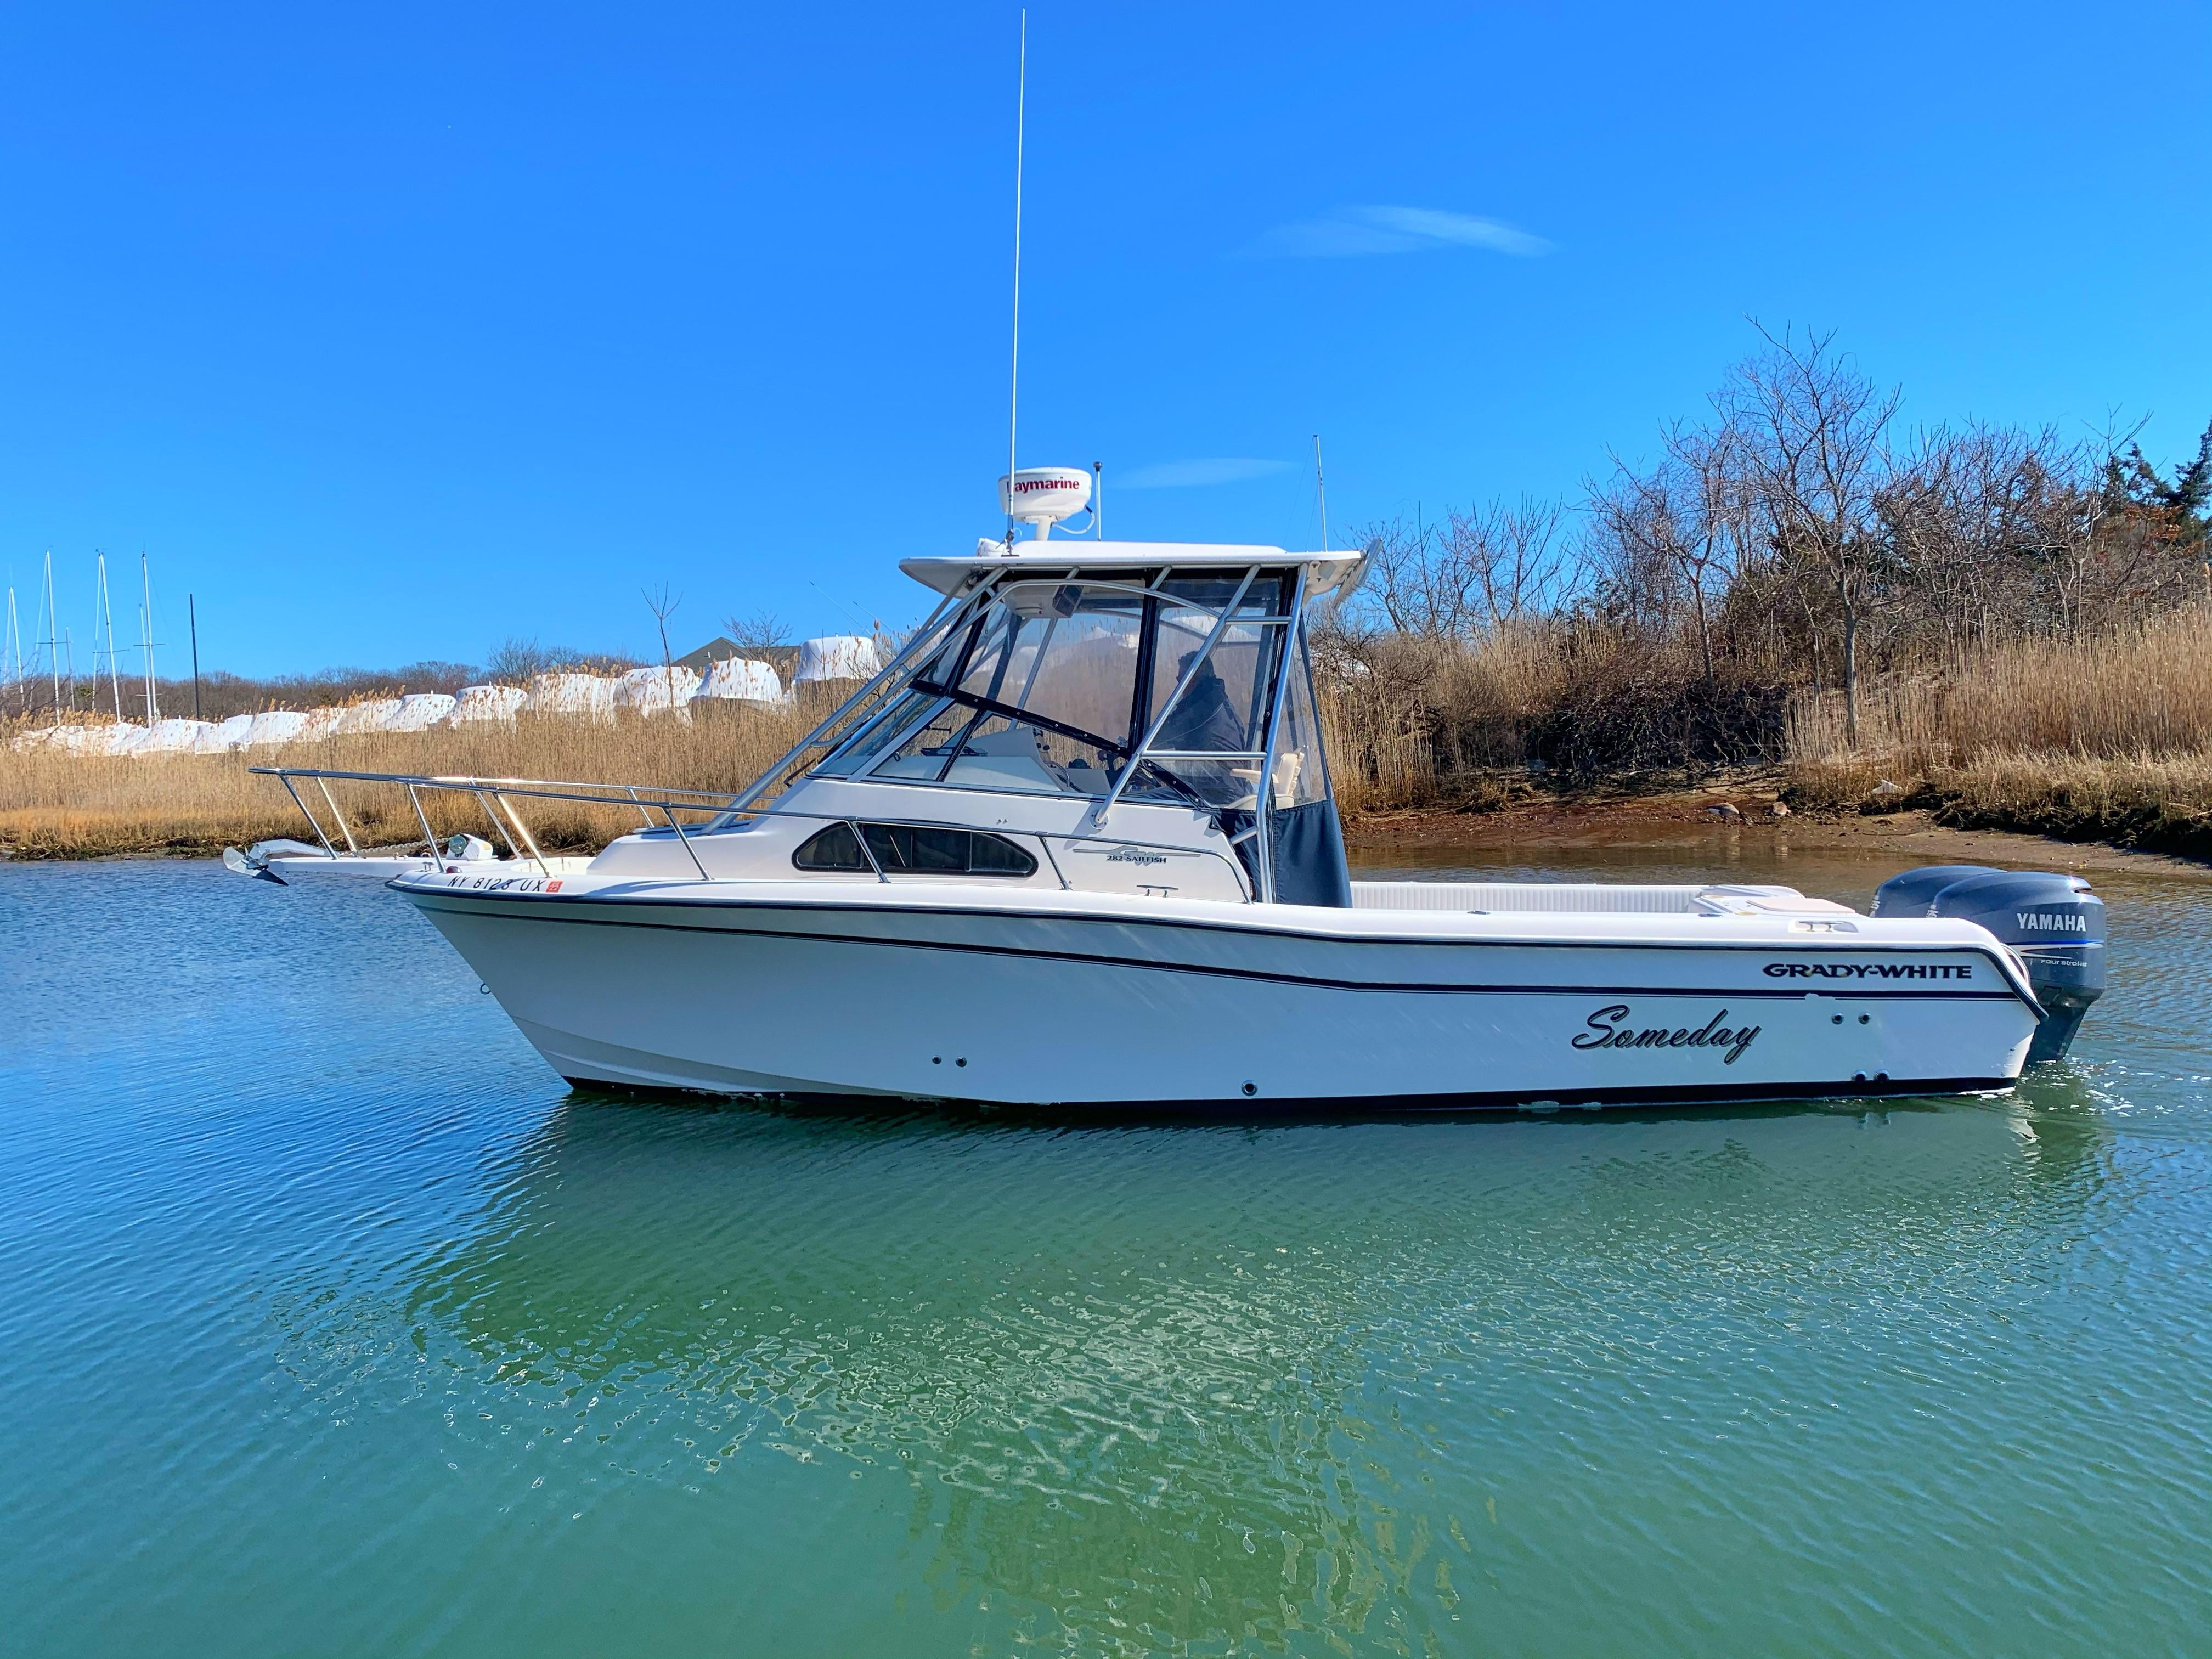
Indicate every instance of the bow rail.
{"type": "Point", "coordinates": [497, 797]}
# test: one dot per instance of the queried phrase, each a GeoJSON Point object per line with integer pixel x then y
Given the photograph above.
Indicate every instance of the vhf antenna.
{"type": "Point", "coordinates": [1014, 373]}
{"type": "Point", "coordinates": [1320, 494]}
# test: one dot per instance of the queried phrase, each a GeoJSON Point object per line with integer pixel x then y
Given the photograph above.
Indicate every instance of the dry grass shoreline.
{"type": "Point", "coordinates": [2105, 741]}
{"type": "Point", "coordinates": [58, 806]}
{"type": "Point", "coordinates": [2102, 739]}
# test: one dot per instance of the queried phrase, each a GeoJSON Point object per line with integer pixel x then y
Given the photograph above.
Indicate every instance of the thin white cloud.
{"type": "Point", "coordinates": [1190, 475]}
{"type": "Point", "coordinates": [1353, 233]}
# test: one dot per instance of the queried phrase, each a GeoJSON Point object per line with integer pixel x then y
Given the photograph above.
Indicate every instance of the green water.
{"type": "Point", "coordinates": [334, 1324]}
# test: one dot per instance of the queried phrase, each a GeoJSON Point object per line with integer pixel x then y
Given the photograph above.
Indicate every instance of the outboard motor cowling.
{"type": "Point", "coordinates": [2053, 922]}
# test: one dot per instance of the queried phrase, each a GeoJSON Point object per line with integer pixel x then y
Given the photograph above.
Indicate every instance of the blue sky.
{"type": "Point", "coordinates": [391, 333]}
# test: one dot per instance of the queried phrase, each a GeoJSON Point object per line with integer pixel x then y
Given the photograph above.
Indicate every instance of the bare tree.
{"type": "Point", "coordinates": [516, 659]}
{"type": "Point", "coordinates": [1981, 525]}
{"type": "Point", "coordinates": [1505, 563]}
{"type": "Point", "coordinates": [762, 631]}
{"type": "Point", "coordinates": [1405, 580]}
{"type": "Point", "coordinates": [663, 607]}
{"type": "Point", "coordinates": [1684, 527]}
{"type": "Point", "coordinates": [1480, 569]}
{"type": "Point", "coordinates": [1815, 429]}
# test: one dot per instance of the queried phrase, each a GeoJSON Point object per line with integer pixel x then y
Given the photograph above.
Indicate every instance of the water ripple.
{"type": "Point", "coordinates": [347, 1328]}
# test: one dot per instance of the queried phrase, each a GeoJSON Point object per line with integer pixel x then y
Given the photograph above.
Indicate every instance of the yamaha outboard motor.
{"type": "Point", "coordinates": [2054, 923]}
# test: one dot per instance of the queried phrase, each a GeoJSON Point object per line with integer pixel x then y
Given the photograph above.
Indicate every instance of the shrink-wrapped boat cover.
{"type": "Point", "coordinates": [650, 690]}
{"type": "Point", "coordinates": [172, 737]}
{"type": "Point", "coordinates": [224, 735]}
{"type": "Point", "coordinates": [488, 705]}
{"type": "Point", "coordinates": [742, 679]}
{"type": "Point", "coordinates": [369, 715]}
{"type": "Point", "coordinates": [272, 726]}
{"type": "Point", "coordinates": [836, 656]}
{"type": "Point", "coordinates": [316, 724]}
{"type": "Point", "coordinates": [590, 697]}
{"type": "Point", "coordinates": [108, 738]}
{"type": "Point", "coordinates": [419, 711]}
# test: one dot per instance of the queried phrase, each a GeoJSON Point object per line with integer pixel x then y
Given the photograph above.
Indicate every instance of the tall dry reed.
{"type": "Point", "coordinates": [59, 806]}
{"type": "Point", "coordinates": [2138, 691]}
{"type": "Point", "coordinates": [1405, 718]}
{"type": "Point", "coordinates": [2106, 738]}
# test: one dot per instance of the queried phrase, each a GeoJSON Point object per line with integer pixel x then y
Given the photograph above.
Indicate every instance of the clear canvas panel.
{"type": "Point", "coordinates": [1039, 692]}
{"type": "Point", "coordinates": [993, 752]}
{"type": "Point", "coordinates": [1300, 773]}
{"type": "Point", "coordinates": [1065, 651]}
{"type": "Point", "coordinates": [1225, 706]}
{"type": "Point", "coordinates": [872, 741]}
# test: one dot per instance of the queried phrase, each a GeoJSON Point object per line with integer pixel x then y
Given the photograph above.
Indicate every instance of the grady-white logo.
{"type": "Point", "coordinates": [2042, 921]}
{"type": "Point", "coordinates": [1135, 856]}
{"type": "Point", "coordinates": [1866, 970]}
{"type": "Point", "coordinates": [1607, 1028]}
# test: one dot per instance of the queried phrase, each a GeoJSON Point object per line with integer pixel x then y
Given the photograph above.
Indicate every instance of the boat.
{"type": "Point", "coordinates": [1075, 847]}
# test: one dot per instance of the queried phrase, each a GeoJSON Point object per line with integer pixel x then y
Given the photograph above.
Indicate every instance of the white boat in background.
{"type": "Point", "coordinates": [576, 695]}
{"type": "Point", "coordinates": [650, 691]}
{"type": "Point", "coordinates": [419, 711]}
{"type": "Point", "coordinates": [740, 679]}
{"type": "Point", "coordinates": [836, 656]}
{"type": "Point", "coordinates": [1076, 846]}
{"type": "Point", "coordinates": [224, 735]}
{"type": "Point", "coordinates": [488, 705]}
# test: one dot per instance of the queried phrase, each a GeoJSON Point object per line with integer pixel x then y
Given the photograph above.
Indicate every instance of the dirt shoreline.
{"type": "Point", "coordinates": [1685, 821]}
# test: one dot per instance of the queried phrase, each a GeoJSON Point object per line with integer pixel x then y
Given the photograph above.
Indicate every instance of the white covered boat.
{"type": "Point", "coordinates": [1076, 846]}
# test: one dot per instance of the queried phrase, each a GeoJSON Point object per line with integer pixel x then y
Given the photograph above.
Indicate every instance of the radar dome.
{"type": "Point", "coordinates": [1043, 495]}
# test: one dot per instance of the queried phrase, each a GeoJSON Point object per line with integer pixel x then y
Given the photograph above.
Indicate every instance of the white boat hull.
{"type": "Point", "coordinates": [1081, 1003]}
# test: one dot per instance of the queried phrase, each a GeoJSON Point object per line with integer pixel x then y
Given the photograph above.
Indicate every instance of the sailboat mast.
{"type": "Point", "coordinates": [53, 643]}
{"type": "Point", "coordinates": [106, 612]}
{"type": "Point", "coordinates": [146, 586]}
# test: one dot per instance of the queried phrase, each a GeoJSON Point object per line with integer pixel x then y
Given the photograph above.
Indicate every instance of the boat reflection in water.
{"type": "Point", "coordinates": [1221, 1381]}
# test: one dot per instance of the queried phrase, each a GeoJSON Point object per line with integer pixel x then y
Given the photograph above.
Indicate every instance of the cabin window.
{"type": "Point", "coordinates": [834, 848]}
{"type": "Point", "coordinates": [916, 849]}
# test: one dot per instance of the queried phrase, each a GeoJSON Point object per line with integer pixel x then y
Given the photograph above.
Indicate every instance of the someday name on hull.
{"type": "Point", "coordinates": [1608, 1029]}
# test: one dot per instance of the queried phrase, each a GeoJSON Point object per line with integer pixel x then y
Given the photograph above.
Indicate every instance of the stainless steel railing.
{"type": "Point", "coordinates": [497, 797]}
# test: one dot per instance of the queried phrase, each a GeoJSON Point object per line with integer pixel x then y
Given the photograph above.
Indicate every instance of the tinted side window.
{"type": "Point", "coordinates": [907, 847]}
{"type": "Point", "coordinates": [919, 849]}
{"type": "Point", "coordinates": [835, 847]}
{"type": "Point", "coordinates": [994, 855]}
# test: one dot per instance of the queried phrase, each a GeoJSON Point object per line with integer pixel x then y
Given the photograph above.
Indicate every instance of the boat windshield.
{"type": "Point", "coordinates": [1053, 685]}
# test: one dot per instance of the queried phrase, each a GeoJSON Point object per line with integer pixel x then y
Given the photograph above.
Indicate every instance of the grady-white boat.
{"type": "Point", "coordinates": [1076, 846]}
